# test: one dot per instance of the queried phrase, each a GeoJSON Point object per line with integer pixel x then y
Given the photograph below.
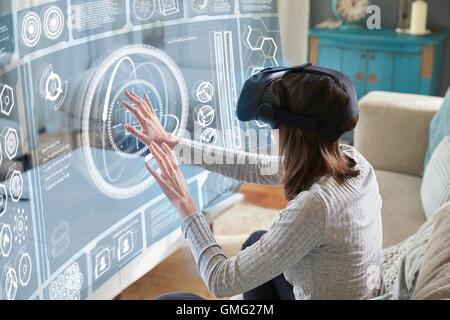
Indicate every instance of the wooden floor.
{"type": "Point", "coordinates": [270, 197]}
{"type": "Point", "coordinates": [159, 280]}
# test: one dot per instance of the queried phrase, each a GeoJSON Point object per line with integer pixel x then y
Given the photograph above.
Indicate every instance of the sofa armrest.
{"type": "Point", "coordinates": [393, 130]}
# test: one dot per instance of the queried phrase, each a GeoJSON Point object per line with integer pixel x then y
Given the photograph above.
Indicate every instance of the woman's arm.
{"type": "Point", "coordinates": [298, 230]}
{"type": "Point", "coordinates": [242, 166]}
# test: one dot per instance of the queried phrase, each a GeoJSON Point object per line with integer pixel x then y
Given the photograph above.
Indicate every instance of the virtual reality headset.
{"type": "Point", "coordinates": [258, 102]}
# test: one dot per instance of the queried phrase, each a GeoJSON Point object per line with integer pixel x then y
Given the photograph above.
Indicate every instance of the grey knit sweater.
{"type": "Point", "coordinates": [327, 241]}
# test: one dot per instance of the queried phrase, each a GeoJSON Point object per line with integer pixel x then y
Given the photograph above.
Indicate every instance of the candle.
{"type": "Point", "coordinates": [418, 17]}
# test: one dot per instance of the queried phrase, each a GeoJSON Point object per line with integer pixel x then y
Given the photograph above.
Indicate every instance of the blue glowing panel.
{"type": "Point", "coordinates": [7, 46]}
{"type": "Point", "coordinates": [77, 204]}
{"type": "Point", "coordinates": [42, 26]}
{"type": "Point", "coordinates": [148, 11]}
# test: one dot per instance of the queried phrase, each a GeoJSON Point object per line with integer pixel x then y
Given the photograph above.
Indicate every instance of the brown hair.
{"type": "Point", "coordinates": [306, 155]}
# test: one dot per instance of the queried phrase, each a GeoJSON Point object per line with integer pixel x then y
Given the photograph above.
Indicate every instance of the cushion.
{"type": "Point", "coordinates": [439, 127]}
{"type": "Point", "coordinates": [402, 211]}
{"type": "Point", "coordinates": [410, 261]}
{"type": "Point", "coordinates": [435, 189]}
{"type": "Point", "coordinates": [434, 275]}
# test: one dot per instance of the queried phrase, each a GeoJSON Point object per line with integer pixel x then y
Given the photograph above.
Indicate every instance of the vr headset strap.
{"type": "Point", "coordinates": [295, 120]}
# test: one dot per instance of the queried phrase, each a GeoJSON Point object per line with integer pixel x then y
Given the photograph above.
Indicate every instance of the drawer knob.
{"type": "Point", "coordinates": [373, 78]}
{"type": "Point", "coordinates": [360, 76]}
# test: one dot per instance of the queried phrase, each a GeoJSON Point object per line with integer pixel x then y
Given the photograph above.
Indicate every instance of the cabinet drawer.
{"type": "Point", "coordinates": [407, 73]}
{"type": "Point", "coordinates": [354, 65]}
{"type": "Point", "coordinates": [380, 67]}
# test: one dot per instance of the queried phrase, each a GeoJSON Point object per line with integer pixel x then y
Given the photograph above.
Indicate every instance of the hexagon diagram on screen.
{"type": "Point", "coordinates": [263, 50]}
{"type": "Point", "coordinates": [24, 269]}
{"type": "Point", "coordinates": [6, 100]}
{"type": "Point", "coordinates": [10, 142]}
{"type": "Point", "coordinates": [112, 153]}
{"type": "Point", "coordinates": [52, 88]}
{"type": "Point", "coordinates": [16, 185]}
{"type": "Point", "coordinates": [5, 240]}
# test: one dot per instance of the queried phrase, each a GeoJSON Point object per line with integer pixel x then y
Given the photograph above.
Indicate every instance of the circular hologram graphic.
{"type": "Point", "coordinates": [118, 116]}
{"type": "Point", "coordinates": [204, 115]}
{"type": "Point", "coordinates": [144, 9]}
{"type": "Point", "coordinates": [9, 283]}
{"type": "Point", "coordinates": [31, 29]}
{"type": "Point", "coordinates": [111, 153]}
{"type": "Point", "coordinates": [53, 22]}
{"type": "Point", "coordinates": [204, 91]}
{"type": "Point", "coordinates": [25, 269]}
{"type": "Point", "coordinates": [209, 136]}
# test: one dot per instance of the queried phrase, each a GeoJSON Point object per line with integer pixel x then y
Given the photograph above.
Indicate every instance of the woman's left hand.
{"type": "Point", "coordinates": [171, 180]}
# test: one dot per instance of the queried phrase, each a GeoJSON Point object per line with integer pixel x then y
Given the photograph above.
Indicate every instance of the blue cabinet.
{"type": "Point", "coordinates": [381, 59]}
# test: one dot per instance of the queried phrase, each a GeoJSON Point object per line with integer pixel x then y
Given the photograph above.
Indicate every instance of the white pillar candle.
{"type": "Point", "coordinates": [418, 17]}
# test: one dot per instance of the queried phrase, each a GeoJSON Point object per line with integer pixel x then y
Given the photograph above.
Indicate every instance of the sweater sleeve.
{"type": "Point", "coordinates": [298, 230]}
{"type": "Point", "coordinates": [242, 166]}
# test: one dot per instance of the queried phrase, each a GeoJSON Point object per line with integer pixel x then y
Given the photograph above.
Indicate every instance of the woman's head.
{"type": "Point", "coordinates": [306, 155]}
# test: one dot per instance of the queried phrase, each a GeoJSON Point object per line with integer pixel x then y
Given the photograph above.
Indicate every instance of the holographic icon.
{"type": "Point", "coordinates": [25, 268]}
{"type": "Point", "coordinates": [209, 136]}
{"type": "Point", "coordinates": [53, 22]}
{"type": "Point", "coordinates": [10, 283]}
{"type": "Point", "coordinates": [20, 227]}
{"type": "Point", "coordinates": [7, 100]}
{"type": "Point", "coordinates": [205, 115]}
{"type": "Point", "coordinates": [52, 88]}
{"type": "Point", "coordinates": [204, 91]}
{"type": "Point", "coordinates": [16, 186]}
{"type": "Point", "coordinates": [169, 7]}
{"type": "Point", "coordinates": [144, 9]}
{"type": "Point", "coordinates": [125, 245]}
{"type": "Point", "coordinates": [199, 6]}
{"type": "Point", "coordinates": [5, 240]}
{"type": "Point", "coordinates": [31, 29]}
{"type": "Point", "coordinates": [10, 142]}
{"type": "Point", "coordinates": [102, 262]}
{"type": "Point", "coordinates": [225, 185]}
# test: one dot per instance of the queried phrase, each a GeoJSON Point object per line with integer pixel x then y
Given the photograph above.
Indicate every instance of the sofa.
{"type": "Point", "coordinates": [406, 139]}
{"type": "Point", "coordinates": [392, 134]}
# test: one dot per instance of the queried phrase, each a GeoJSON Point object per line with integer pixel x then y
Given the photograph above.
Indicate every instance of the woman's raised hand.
{"type": "Point", "coordinates": [151, 128]}
{"type": "Point", "coordinates": [171, 180]}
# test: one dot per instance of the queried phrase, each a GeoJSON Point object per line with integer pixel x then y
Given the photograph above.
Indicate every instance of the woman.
{"type": "Point", "coordinates": [327, 242]}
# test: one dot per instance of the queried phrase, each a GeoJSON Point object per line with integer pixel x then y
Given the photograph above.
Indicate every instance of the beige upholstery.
{"type": "Point", "coordinates": [402, 210]}
{"type": "Point", "coordinates": [392, 134]}
{"type": "Point", "coordinates": [434, 275]}
{"type": "Point", "coordinates": [393, 129]}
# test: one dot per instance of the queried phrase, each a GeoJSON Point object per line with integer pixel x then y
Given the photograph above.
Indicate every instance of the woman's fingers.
{"type": "Point", "coordinates": [135, 111]}
{"type": "Point", "coordinates": [171, 155]}
{"type": "Point", "coordinates": [154, 173]}
{"type": "Point", "coordinates": [149, 104]}
{"type": "Point", "coordinates": [160, 157]}
{"type": "Point", "coordinates": [135, 132]}
{"type": "Point", "coordinates": [138, 102]}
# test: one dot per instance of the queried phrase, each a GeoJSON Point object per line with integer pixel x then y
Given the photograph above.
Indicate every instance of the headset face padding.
{"type": "Point", "coordinates": [262, 99]}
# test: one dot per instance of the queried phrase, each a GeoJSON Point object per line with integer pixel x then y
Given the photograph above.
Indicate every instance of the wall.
{"type": "Point", "coordinates": [294, 22]}
{"type": "Point", "coordinates": [438, 19]}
